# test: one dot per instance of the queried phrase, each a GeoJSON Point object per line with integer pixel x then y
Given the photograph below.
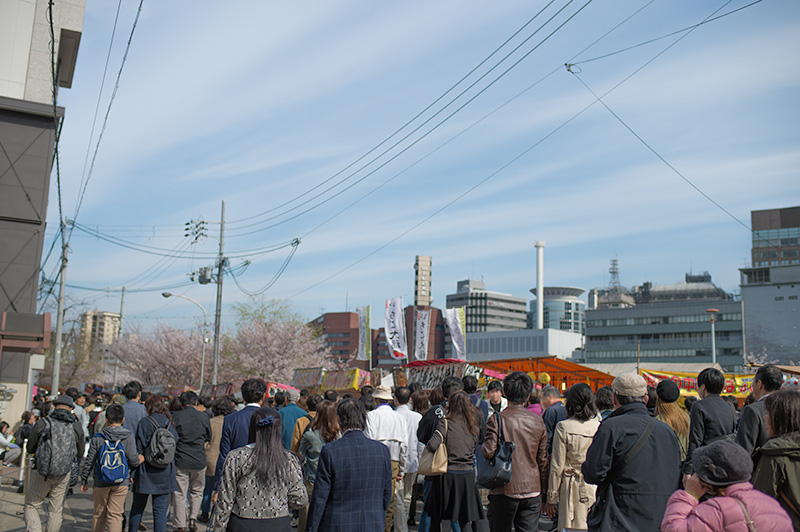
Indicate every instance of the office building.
{"type": "Point", "coordinates": [776, 237]}
{"type": "Point", "coordinates": [562, 309]}
{"type": "Point", "coordinates": [422, 281]}
{"type": "Point", "coordinates": [772, 313]}
{"type": "Point", "coordinates": [525, 343]}
{"type": "Point", "coordinates": [486, 310]}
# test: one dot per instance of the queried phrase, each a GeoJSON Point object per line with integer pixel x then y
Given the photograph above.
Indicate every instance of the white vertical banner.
{"type": "Point", "coordinates": [423, 327]}
{"type": "Point", "coordinates": [455, 322]}
{"type": "Point", "coordinates": [364, 344]}
{"type": "Point", "coordinates": [395, 328]}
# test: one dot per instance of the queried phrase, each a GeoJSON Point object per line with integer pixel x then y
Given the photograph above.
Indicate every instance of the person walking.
{"type": "Point", "coordinates": [388, 427]}
{"type": "Point", "coordinates": [572, 439]}
{"type": "Point", "coordinates": [752, 432]}
{"type": "Point", "coordinates": [454, 496]}
{"type": "Point", "coordinates": [777, 471]}
{"type": "Point", "coordinates": [194, 431]}
{"type": "Point", "coordinates": [723, 469]}
{"type": "Point", "coordinates": [323, 430]}
{"type": "Point", "coordinates": [634, 460]}
{"type": "Point", "coordinates": [302, 424]}
{"type": "Point", "coordinates": [711, 418]}
{"type": "Point", "coordinates": [220, 407]}
{"type": "Point", "coordinates": [404, 488]}
{"type": "Point", "coordinates": [289, 416]}
{"type": "Point", "coordinates": [152, 480]}
{"type": "Point", "coordinates": [353, 485]}
{"type": "Point", "coordinates": [55, 443]}
{"type": "Point", "coordinates": [553, 412]}
{"type": "Point", "coordinates": [135, 411]}
{"type": "Point", "coordinates": [261, 482]}
{"type": "Point", "coordinates": [518, 503]}
{"type": "Point", "coordinates": [107, 450]}
{"type": "Point", "coordinates": [471, 388]}
{"type": "Point", "coordinates": [236, 426]}
{"type": "Point", "coordinates": [668, 411]}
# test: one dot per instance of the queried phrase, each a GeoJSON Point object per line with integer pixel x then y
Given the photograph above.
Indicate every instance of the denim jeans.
{"type": "Point", "coordinates": [205, 505]}
{"type": "Point", "coordinates": [160, 504]}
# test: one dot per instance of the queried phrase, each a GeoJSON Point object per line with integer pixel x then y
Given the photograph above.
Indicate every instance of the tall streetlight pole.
{"type": "Point", "coordinates": [205, 322]}
{"type": "Point", "coordinates": [713, 312]}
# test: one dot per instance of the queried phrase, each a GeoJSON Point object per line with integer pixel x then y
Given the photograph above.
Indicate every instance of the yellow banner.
{"type": "Point", "coordinates": [735, 384]}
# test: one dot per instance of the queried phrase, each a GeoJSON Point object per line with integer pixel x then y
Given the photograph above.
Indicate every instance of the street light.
{"type": "Point", "coordinates": [713, 312]}
{"type": "Point", "coordinates": [205, 322]}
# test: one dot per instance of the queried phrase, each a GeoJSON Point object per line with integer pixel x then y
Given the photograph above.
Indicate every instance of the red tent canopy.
{"type": "Point", "coordinates": [563, 373]}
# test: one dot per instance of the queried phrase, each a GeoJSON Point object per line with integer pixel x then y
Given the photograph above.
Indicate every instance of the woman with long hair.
{"type": "Point", "coordinates": [324, 429]}
{"type": "Point", "coordinates": [454, 496]}
{"type": "Point", "coordinates": [668, 411]}
{"type": "Point", "coordinates": [571, 440]}
{"type": "Point", "coordinates": [261, 482]}
{"type": "Point", "coordinates": [777, 471]}
{"type": "Point", "coordinates": [151, 480]}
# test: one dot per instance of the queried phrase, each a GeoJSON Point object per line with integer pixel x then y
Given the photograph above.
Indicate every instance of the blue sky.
{"type": "Point", "coordinates": [259, 102]}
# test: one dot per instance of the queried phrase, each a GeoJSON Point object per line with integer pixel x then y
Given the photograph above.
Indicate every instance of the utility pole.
{"type": "Point", "coordinates": [119, 334]}
{"type": "Point", "coordinates": [218, 314]}
{"type": "Point", "coordinates": [60, 316]}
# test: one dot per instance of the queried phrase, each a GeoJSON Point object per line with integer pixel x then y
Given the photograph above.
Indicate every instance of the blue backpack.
{"type": "Point", "coordinates": [112, 464]}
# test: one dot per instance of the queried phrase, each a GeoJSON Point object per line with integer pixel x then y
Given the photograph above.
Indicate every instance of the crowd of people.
{"type": "Point", "coordinates": [627, 457]}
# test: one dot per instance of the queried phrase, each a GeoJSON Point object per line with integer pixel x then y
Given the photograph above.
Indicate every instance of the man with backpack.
{"type": "Point", "coordinates": [55, 442]}
{"type": "Point", "coordinates": [111, 458]}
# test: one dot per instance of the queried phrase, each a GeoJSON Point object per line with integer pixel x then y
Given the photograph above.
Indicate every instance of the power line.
{"type": "Point", "coordinates": [484, 117]}
{"type": "Point", "coordinates": [688, 28]}
{"type": "Point", "coordinates": [493, 174]}
{"type": "Point", "coordinates": [274, 279]}
{"type": "Point", "coordinates": [663, 160]}
{"type": "Point", "coordinates": [108, 111]}
{"type": "Point", "coordinates": [100, 95]}
{"type": "Point", "coordinates": [470, 100]}
{"type": "Point", "coordinates": [398, 130]}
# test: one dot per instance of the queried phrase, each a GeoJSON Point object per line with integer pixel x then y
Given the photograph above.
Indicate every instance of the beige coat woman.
{"type": "Point", "coordinates": [567, 486]}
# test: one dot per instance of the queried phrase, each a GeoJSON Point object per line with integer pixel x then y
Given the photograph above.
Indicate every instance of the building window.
{"type": "Point", "coordinates": [778, 298]}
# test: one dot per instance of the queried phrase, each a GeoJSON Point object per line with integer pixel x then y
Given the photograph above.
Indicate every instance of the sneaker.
{"type": "Point", "coordinates": [203, 517]}
{"type": "Point", "coordinates": [142, 528]}
{"type": "Point", "coordinates": [295, 520]}
{"type": "Point", "coordinates": [192, 525]}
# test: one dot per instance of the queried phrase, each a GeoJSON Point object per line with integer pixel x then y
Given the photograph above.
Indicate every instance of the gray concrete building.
{"type": "Point", "coordinates": [525, 343]}
{"type": "Point", "coordinates": [772, 313]}
{"type": "Point", "coordinates": [487, 310]}
{"type": "Point", "coordinates": [665, 332]}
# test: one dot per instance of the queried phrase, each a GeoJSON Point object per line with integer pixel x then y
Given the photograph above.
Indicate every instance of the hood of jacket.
{"type": "Point", "coordinates": [63, 415]}
{"type": "Point", "coordinates": [785, 445]}
{"type": "Point", "coordinates": [116, 433]}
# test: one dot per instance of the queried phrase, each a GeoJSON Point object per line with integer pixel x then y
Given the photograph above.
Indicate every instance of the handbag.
{"type": "Point", "coordinates": [434, 463]}
{"type": "Point", "coordinates": [495, 472]}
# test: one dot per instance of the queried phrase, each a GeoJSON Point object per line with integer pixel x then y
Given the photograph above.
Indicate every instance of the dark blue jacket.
{"type": "Point", "coordinates": [555, 413]}
{"type": "Point", "coordinates": [235, 434]}
{"type": "Point", "coordinates": [353, 486]}
{"type": "Point", "coordinates": [151, 479]}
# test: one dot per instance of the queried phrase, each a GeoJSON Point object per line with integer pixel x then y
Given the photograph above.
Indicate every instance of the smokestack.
{"type": "Point", "coordinates": [539, 283]}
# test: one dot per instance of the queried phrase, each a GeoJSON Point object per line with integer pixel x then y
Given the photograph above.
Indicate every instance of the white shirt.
{"type": "Point", "coordinates": [388, 427]}
{"type": "Point", "coordinates": [414, 445]}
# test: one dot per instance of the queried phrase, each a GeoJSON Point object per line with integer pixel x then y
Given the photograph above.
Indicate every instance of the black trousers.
{"type": "Point", "coordinates": [523, 514]}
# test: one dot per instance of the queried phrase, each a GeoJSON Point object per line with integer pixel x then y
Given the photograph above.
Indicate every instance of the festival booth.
{"type": "Point", "coordinates": [429, 373]}
{"type": "Point", "coordinates": [318, 380]}
{"type": "Point", "coordinates": [548, 371]}
{"type": "Point", "coordinates": [736, 384]}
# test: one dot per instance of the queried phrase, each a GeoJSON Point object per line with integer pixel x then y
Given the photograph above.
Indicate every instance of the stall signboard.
{"type": "Point", "coordinates": [431, 376]}
{"type": "Point", "coordinates": [344, 379]}
{"type": "Point", "coordinates": [736, 384]}
{"type": "Point", "coordinates": [310, 378]}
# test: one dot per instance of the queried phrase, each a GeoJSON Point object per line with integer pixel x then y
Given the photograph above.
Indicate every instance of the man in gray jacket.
{"type": "Point", "coordinates": [109, 499]}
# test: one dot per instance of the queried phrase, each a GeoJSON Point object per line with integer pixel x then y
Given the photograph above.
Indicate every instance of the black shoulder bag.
{"type": "Point", "coordinates": [496, 471]}
{"type": "Point", "coordinates": [604, 492]}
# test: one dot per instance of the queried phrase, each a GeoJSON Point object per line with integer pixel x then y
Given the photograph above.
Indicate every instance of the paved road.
{"type": "Point", "coordinates": [78, 513]}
